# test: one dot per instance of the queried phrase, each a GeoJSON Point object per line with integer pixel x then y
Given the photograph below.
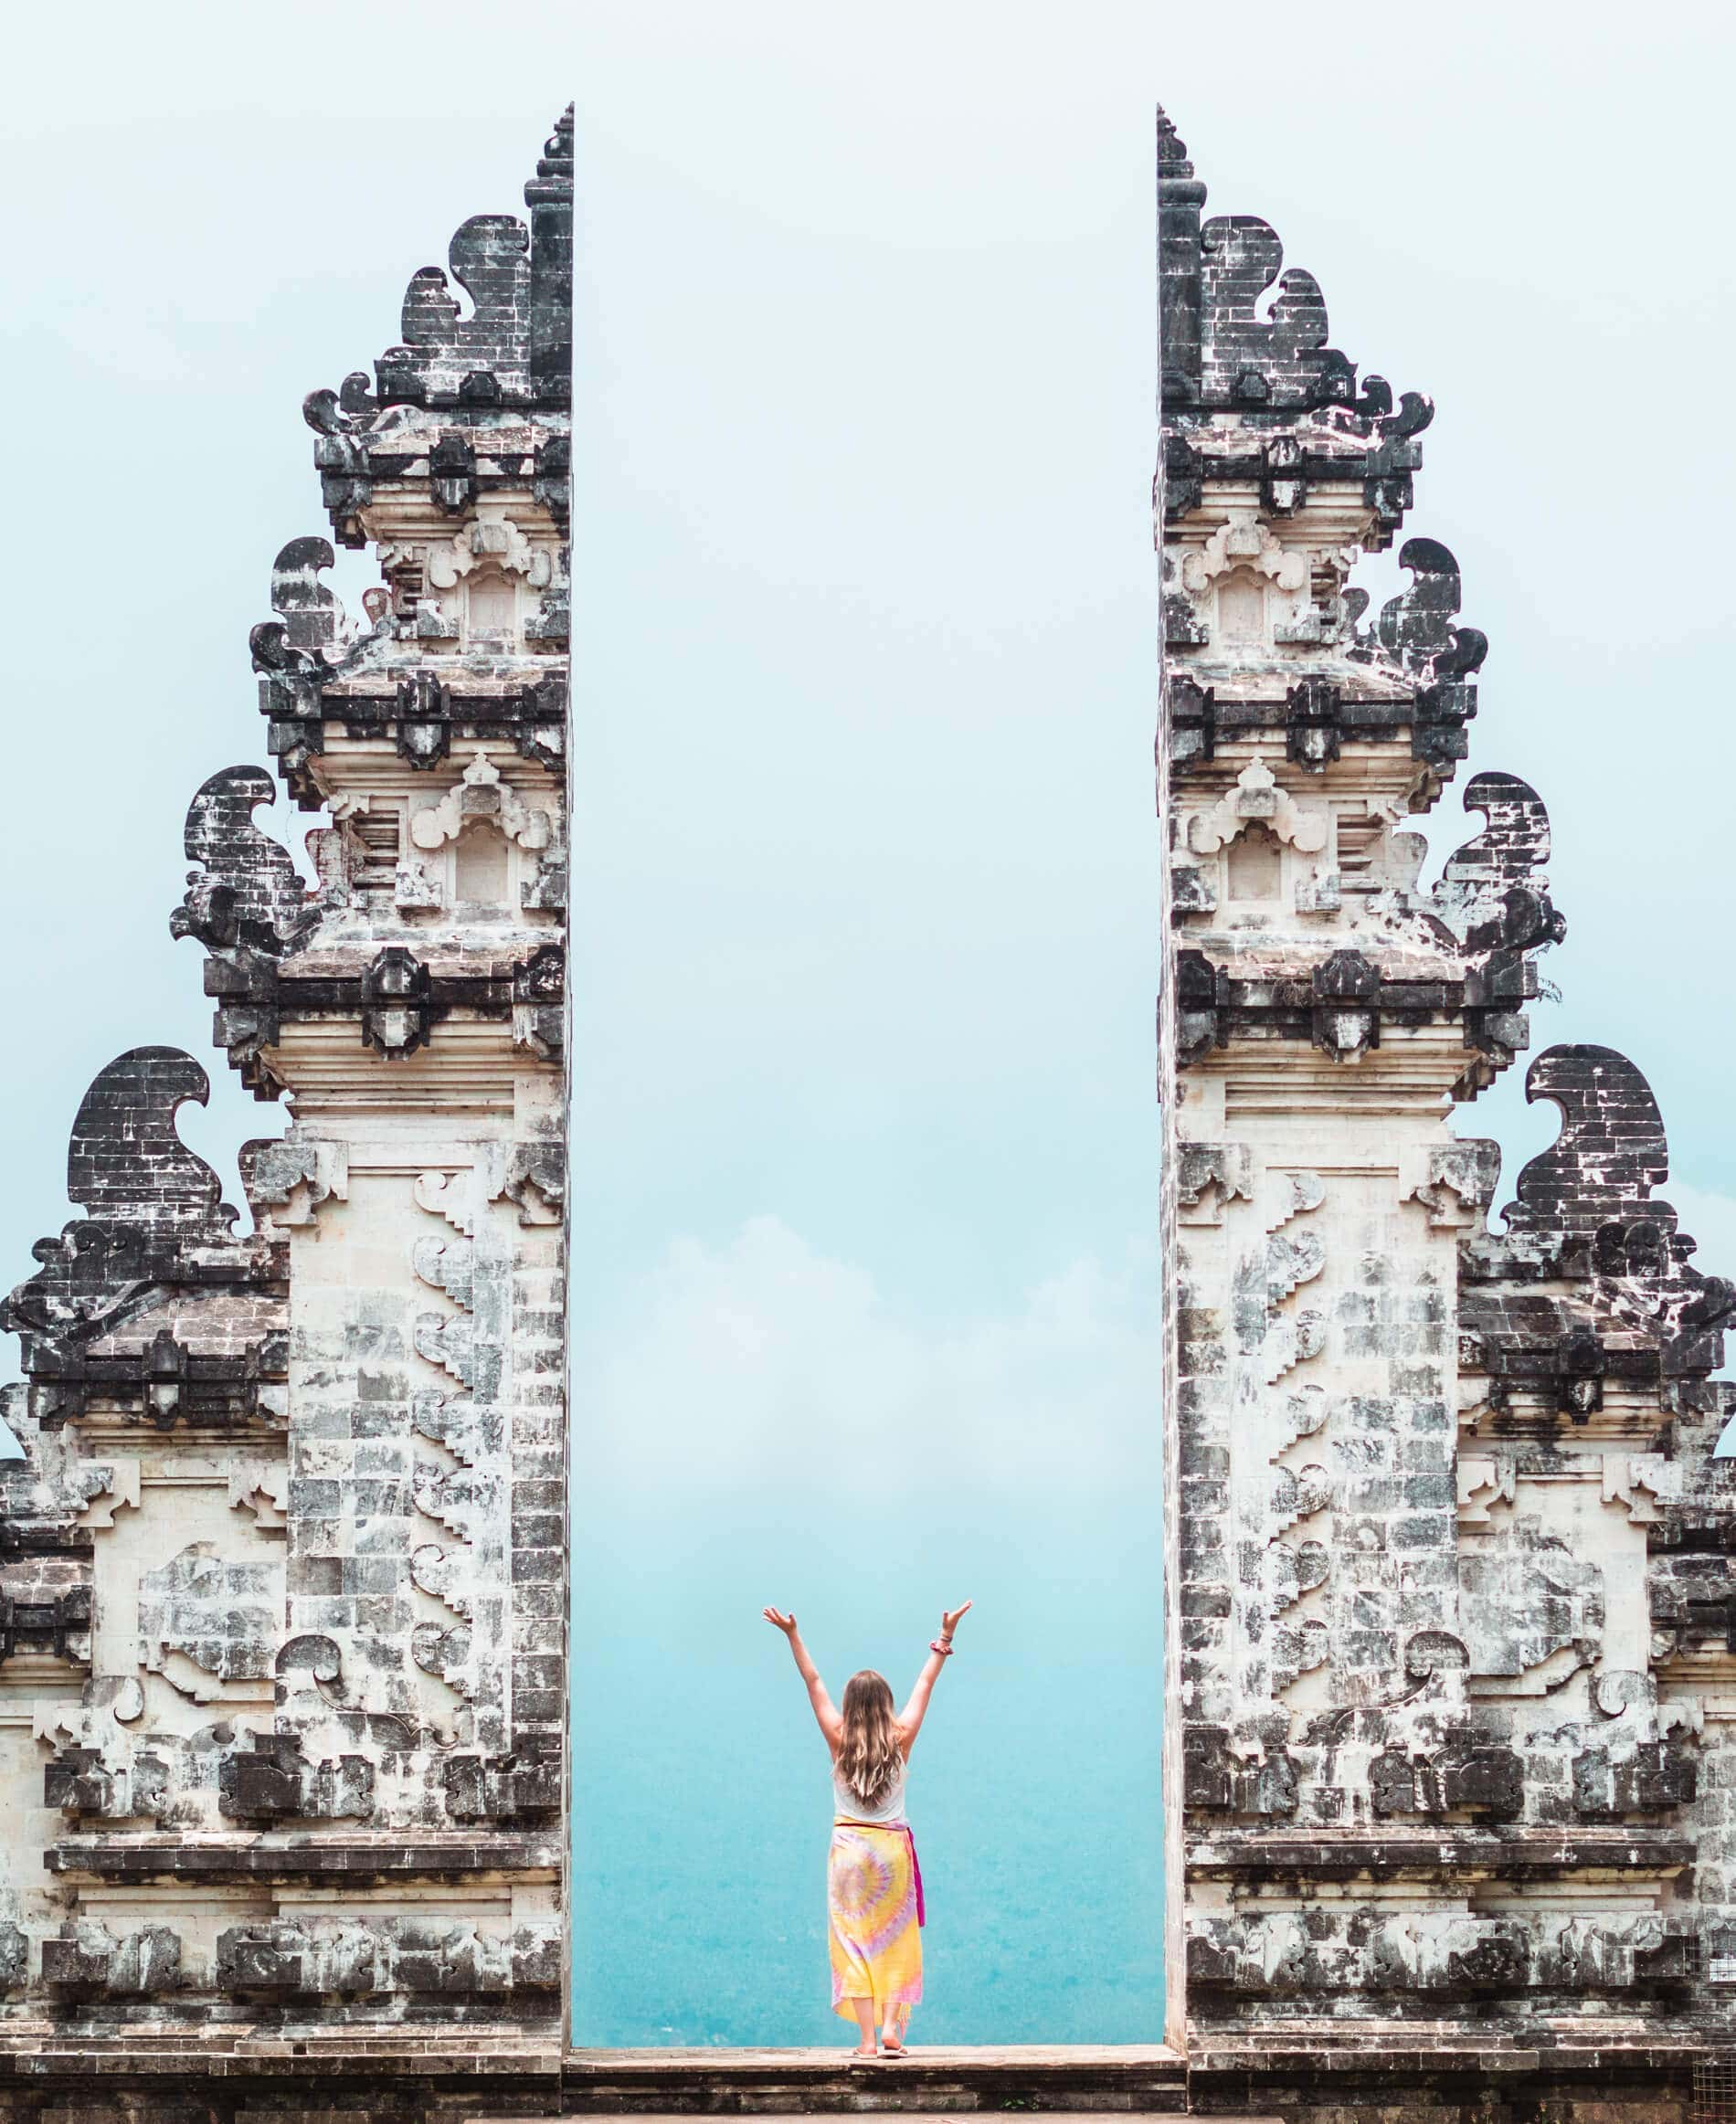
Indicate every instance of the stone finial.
{"type": "Point", "coordinates": [1491, 892]}
{"type": "Point", "coordinates": [1611, 1152]}
{"type": "Point", "coordinates": [126, 1162]}
{"type": "Point", "coordinates": [246, 890]}
{"type": "Point", "coordinates": [310, 621]}
{"type": "Point", "coordinates": [1415, 628]}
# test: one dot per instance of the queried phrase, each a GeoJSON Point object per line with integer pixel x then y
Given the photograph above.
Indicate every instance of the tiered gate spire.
{"type": "Point", "coordinates": [1453, 1681]}
{"type": "Point", "coordinates": [282, 1582]}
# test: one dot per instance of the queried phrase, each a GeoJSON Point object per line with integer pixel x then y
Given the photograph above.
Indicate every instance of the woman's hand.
{"type": "Point", "coordinates": [950, 1617]}
{"type": "Point", "coordinates": [786, 1623]}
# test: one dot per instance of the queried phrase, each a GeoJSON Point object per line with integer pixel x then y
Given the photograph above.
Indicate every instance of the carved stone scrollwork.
{"type": "Point", "coordinates": [1650, 1778]}
{"type": "Point", "coordinates": [146, 1193]}
{"type": "Point", "coordinates": [1416, 626]}
{"type": "Point", "coordinates": [294, 652]}
{"type": "Point", "coordinates": [287, 1178]}
{"type": "Point", "coordinates": [1256, 798]}
{"type": "Point", "coordinates": [1455, 1181]}
{"type": "Point", "coordinates": [480, 794]}
{"type": "Point", "coordinates": [348, 410]}
{"type": "Point", "coordinates": [1415, 629]}
{"type": "Point", "coordinates": [489, 259]}
{"type": "Point", "coordinates": [536, 1181]}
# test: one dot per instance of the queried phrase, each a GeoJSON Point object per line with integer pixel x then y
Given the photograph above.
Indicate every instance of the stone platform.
{"type": "Point", "coordinates": [1080, 2078]}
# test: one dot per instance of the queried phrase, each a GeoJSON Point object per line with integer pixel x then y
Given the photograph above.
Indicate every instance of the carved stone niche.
{"type": "Point", "coordinates": [469, 831]}
{"type": "Point", "coordinates": [481, 584]}
{"type": "Point", "coordinates": [1254, 866]}
{"type": "Point", "coordinates": [1243, 581]}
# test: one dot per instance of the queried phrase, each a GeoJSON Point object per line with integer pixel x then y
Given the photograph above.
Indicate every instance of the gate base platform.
{"type": "Point", "coordinates": [1106, 2079]}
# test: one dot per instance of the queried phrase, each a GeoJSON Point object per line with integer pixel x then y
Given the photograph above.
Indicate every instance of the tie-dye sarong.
{"type": "Point", "coordinates": [874, 1936]}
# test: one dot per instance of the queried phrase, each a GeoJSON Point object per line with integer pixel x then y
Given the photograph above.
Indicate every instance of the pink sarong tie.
{"type": "Point", "coordinates": [916, 1867]}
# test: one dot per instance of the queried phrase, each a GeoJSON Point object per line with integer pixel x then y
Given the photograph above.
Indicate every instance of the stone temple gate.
{"type": "Point", "coordinates": [1451, 1617]}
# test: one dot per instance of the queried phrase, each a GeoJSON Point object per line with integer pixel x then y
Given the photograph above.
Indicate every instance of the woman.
{"type": "Point", "coordinates": [873, 1885]}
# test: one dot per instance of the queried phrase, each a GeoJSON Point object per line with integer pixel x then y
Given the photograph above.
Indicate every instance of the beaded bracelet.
{"type": "Point", "coordinates": [935, 1644]}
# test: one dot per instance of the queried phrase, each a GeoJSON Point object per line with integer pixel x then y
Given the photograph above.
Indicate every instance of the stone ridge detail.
{"type": "Point", "coordinates": [1450, 1577]}
{"type": "Point", "coordinates": [283, 1597]}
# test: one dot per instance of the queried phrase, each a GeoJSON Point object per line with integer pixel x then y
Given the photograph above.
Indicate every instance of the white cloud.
{"type": "Point", "coordinates": [764, 1359]}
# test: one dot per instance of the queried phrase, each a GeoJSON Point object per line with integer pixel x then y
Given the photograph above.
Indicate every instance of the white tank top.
{"type": "Point", "coordinates": [889, 1813]}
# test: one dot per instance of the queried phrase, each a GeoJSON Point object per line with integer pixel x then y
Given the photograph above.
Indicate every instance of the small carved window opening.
{"type": "Point", "coordinates": [482, 867]}
{"type": "Point", "coordinates": [492, 606]}
{"type": "Point", "coordinates": [1242, 608]}
{"type": "Point", "coordinates": [1254, 865]}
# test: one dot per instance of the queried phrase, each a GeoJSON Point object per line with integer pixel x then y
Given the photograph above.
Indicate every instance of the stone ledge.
{"type": "Point", "coordinates": [1076, 2077]}
{"type": "Point", "coordinates": [1453, 1848]}
{"type": "Point", "coordinates": [146, 2056]}
{"type": "Point", "coordinates": [1599, 2051]}
{"type": "Point", "coordinates": [352, 1859]}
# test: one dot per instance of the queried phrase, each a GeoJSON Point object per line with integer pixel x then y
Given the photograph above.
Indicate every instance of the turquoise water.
{"type": "Point", "coordinates": [701, 1795]}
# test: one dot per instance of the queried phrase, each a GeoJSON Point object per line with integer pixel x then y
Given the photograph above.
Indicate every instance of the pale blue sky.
{"type": "Point", "coordinates": [864, 665]}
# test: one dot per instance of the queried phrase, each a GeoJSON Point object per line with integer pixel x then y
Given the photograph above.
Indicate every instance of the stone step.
{"type": "Point", "coordinates": [1085, 2080]}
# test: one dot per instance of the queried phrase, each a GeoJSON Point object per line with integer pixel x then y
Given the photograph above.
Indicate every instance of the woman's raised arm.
{"type": "Point", "coordinates": [916, 1710]}
{"type": "Point", "coordinates": [830, 1724]}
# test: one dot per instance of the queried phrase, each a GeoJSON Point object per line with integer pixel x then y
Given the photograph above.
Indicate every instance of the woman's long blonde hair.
{"type": "Point", "coordinates": [868, 1753]}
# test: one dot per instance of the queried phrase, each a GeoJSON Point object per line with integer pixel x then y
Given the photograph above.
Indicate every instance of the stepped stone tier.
{"type": "Point", "coordinates": [282, 1601]}
{"type": "Point", "coordinates": [1452, 1615]}
{"type": "Point", "coordinates": [1452, 1626]}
